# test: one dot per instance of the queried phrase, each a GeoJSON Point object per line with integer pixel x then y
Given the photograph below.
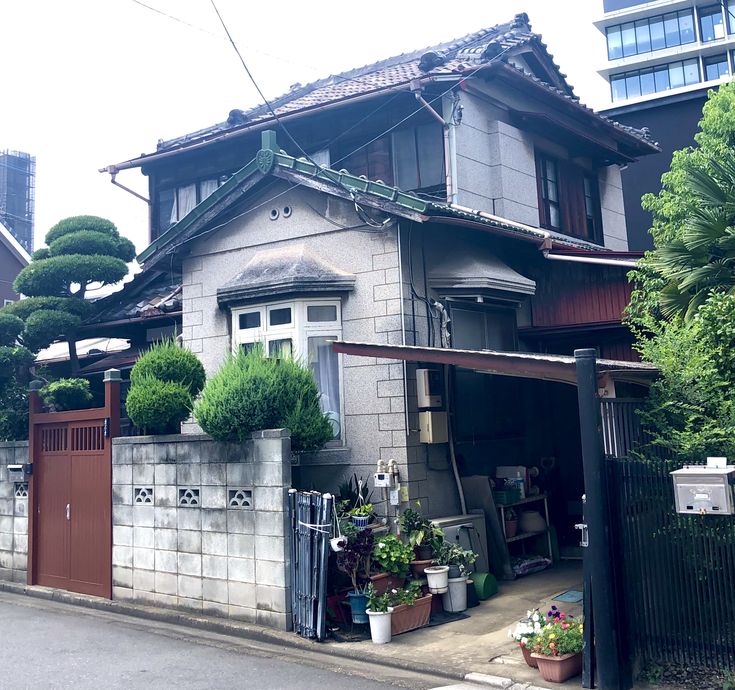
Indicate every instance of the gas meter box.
{"type": "Point", "coordinates": [705, 489]}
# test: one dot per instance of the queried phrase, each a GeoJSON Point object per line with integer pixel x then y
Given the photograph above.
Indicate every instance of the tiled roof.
{"type": "Point", "coordinates": [455, 58]}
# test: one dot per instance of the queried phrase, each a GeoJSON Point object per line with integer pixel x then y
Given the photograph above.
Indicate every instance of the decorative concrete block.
{"type": "Point", "coordinates": [143, 558]}
{"type": "Point", "coordinates": [166, 561]}
{"type": "Point", "coordinates": [190, 564]}
{"type": "Point", "coordinates": [214, 520]}
{"type": "Point", "coordinates": [166, 518]}
{"type": "Point", "coordinates": [166, 583]}
{"type": "Point", "coordinates": [214, 567]}
{"type": "Point", "coordinates": [214, 496]}
{"type": "Point", "coordinates": [214, 543]}
{"type": "Point", "coordinates": [143, 580]}
{"type": "Point", "coordinates": [190, 541]}
{"type": "Point", "coordinates": [215, 590]}
{"type": "Point", "coordinates": [166, 539]}
{"type": "Point", "coordinates": [143, 537]}
{"type": "Point", "coordinates": [242, 594]}
{"type": "Point", "coordinates": [190, 587]}
{"type": "Point", "coordinates": [240, 569]}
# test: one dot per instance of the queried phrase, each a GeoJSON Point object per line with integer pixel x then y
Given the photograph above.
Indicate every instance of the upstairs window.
{"type": "Point", "coordinates": [301, 329]}
{"type": "Point", "coordinates": [711, 23]}
{"type": "Point", "coordinates": [569, 199]}
{"type": "Point", "coordinates": [649, 34]}
{"type": "Point", "coordinates": [176, 202]}
{"type": "Point", "coordinates": [716, 67]}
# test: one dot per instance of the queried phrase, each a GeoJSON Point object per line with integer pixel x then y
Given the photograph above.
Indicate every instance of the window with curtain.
{"type": "Point", "coordinates": [301, 329]}
{"type": "Point", "coordinates": [176, 202]}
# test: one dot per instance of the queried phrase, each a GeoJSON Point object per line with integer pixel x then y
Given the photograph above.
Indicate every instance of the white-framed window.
{"type": "Point", "coordinates": [6, 302]}
{"type": "Point", "coordinates": [304, 329]}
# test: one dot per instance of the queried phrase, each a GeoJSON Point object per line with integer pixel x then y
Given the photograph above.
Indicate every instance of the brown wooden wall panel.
{"type": "Point", "coordinates": [573, 295]}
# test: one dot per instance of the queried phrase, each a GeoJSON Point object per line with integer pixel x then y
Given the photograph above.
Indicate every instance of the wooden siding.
{"type": "Point", "coordinates": [576, 294]}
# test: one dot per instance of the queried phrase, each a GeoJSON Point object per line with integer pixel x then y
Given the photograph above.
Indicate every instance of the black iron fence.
{"type": "Point", "coordinates": [676, 572]}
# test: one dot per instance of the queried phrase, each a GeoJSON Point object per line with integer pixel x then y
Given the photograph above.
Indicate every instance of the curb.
{"type": "Point", "coordinates": [500, 682]}
{"type": "Point", "coordinates": [238, 629]}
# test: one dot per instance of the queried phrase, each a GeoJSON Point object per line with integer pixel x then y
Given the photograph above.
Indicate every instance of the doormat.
{"type": "Point", "coordinates": [571, 596]}
{"type": "Point", "coordinates": [445, 617]}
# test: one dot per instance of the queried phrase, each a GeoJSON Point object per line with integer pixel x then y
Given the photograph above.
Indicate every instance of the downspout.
{"type": "Point", "coordinates": [113, 176]}
{"type": "Point", "coordinates": [417, 89]}
{"type": "Point", "coordinates": [403, 328]}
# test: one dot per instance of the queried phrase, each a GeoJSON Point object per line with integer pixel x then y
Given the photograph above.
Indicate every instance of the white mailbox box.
{"type": "Point", "coordinates": [705, 489]}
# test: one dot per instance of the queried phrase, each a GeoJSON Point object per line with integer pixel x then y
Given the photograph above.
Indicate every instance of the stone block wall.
{"type": "Point", "coordinates": [203, 526]}
{"type": "Point", "coordinates": [13, 514]}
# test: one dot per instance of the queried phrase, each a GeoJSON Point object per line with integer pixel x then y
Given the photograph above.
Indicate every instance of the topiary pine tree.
{"type": "Point", "coordinates": [82, 251]}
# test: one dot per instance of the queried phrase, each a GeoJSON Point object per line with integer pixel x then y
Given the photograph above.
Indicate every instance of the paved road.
{"type": "Point", "coordinates": [49, 645]}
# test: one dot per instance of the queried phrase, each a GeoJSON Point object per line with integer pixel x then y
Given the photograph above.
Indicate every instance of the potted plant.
{"type": "Point", "coordinates": [511, 523]}
{"type": "Point", "coordinates": [411, 608]}
{"type": "Point", "coordinates": [525, 634]}
{"type": "Point", "coordinates": [379, 612]}
{"type": "Point", "coordinates": [361, 515]}
{"type": "Point", "coordinates": [420, 532]}
{"type": "Point", "coordinates": [459, 560]}
{"type": "Point", "coordinates": [392, 557]}
{"type": "Point", "coordinates": [355, 560]}
{"type": "Point", "coordinates": [558, 648]}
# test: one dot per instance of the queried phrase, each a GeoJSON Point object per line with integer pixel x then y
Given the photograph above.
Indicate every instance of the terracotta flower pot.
{"type": "Point", "coordinates": [557, 669]}
{"type": "Point", "coordinates": [382, 582]}
{"type": "Point", "coordinates": [418, 567]}
{"type": "Point", "coordinates": [528, 657]}
{"type": "Point", "coordinates": [407, 617]}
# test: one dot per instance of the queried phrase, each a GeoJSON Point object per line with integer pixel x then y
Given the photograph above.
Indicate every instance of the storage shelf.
{"type": "Point", "coordinates": [523, 501]}
{"type": "Point", "coordinates": [525, 535]}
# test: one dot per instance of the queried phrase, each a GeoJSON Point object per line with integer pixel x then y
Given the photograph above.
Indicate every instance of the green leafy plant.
{"type": "Point", "coordinates": [168, 361]}
{"type": "Point", "coordinates": [408, 595]}
{"type": "Point", "coordinates": [82, 252]}
{"type": "Point", "coordinates": [419, 529]}
{"type": "Point", "coordinates": [252, 392]}
{"type": "Point", "coordinates": [67, 394]}
{"type": "Point", "coordinates": [454, 554]}
{"type": "Point", "coordinates": [392, 556]}
{"type": "Point", "coordinates": [158, 406]}
{"type": "Point", "coordinates": [362, 510]}
{"type": "Point", "coordinates": [378, 603]}
{"type": "Point", "coordinates": [561, 635]}
{"type": "Point", "coordinates": [15, 364]}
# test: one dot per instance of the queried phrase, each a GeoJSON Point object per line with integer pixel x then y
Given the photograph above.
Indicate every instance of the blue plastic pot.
{"type": "Point", "coordinates": [358, 604]}
{"type": "Point", "coordinates": [360, 521]}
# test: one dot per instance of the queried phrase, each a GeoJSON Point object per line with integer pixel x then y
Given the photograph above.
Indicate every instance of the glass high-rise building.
{"type": "Point", "coordinates": [17, 195]}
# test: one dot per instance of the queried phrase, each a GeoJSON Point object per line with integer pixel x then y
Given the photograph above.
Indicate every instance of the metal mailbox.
{"type": "Point", "coordinates": [705, 489]}
{"type": "Point", "coordinates": [15, 473]}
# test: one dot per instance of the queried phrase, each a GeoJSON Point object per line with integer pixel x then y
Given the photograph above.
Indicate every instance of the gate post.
{"type": "Point", "coordinates": [112, 402]}
{"type": "Point", "coordinates": [597, 555]}
{"type": "Point", "coordinates": [34, 407]}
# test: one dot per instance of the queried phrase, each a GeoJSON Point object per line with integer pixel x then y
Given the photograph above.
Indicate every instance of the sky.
{"type": "Point", "coordinates": [88, 83]}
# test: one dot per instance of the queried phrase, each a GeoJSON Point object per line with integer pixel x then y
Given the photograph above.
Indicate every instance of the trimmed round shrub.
{"type": "Point", "coordinates": [168, 361]}
{"type": "Point", "coordinates": [44, 326]}
{"type": "Point", "coordinates": [251, 392]}
{"type": "Point", "coordinates": [67, 394]}
{"type": "Point", "coordinates": [81, 223]}
{"type": "Point", "coordinates": [10, 328]}
{"type": "Point", "coordinates": [158, 406]}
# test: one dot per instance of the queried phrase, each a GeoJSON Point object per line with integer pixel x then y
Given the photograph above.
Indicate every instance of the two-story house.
{"type": "Point", "coordinates": [13, 258]}
{"type": "Point", "coordinates": [459, 197]}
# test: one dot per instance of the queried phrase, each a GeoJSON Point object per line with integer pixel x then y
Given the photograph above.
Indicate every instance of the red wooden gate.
{"type": "Point", "coordinates": [70, 524]}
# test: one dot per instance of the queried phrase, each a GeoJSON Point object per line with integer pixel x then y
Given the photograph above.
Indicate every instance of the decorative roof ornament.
{"type": "Point", "coordinates": [430, 60]}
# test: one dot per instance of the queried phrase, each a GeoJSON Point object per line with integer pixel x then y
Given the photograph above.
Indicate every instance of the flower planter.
{"type": "Point", "coordinates": [407, 617]}
{"type": "Point", "coordinates": [360, 521]}
{"type": "Point", "coordinates": [422, 552]}
{"type": "Point", "coordinates": [528, 656]}
{"type": "Point", "coordinates": [454, 571]}
{"type": "Point", "coordinates": [380, 625]}
{"type": "Point", "coordinates": [455, 598]}
{"type": "Point", "coordinates": [437, 576]}
{"type": "Point", "coordinates": [418, 567]}
{"type": "Point", "coordinates": [511, 528]}
{"type": "Point", "coordinates": [358, 604]}
{"type": "Point", "coordinates": [557, 669]}
{"type": "Point", "coordinates": [382, 582]}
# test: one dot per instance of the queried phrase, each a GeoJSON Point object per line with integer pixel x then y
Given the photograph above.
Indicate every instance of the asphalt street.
{"type": "Point", "coordinates": [49, 645]}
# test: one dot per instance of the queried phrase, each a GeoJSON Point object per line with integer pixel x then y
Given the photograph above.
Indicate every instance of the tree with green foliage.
{"type": "Point", "coordinates": [683, 306]}
{"type": "Point", "coordinates": [15, 363]}
{"type": "Point", "coordinates": [82, 252]}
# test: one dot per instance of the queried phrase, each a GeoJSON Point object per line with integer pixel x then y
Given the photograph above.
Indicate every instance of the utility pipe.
{"type": "Point", "coordinates": [452, 454]}
{"type": "Point", "coordinates": [127, 189]}
{"type": "Point", "coordinates": [625, 263]}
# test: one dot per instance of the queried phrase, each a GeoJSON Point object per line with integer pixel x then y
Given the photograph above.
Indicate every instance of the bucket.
{"type": "Point", "coordinates": [358, 604]}
{"type": "Point", "coordinates": [380, 630]}
{"type": "Point", "coordinates": [455, 598]}
{"type": "Point", "coordinates": [437, 577]}
{"type": "Point", "coordinates": [485, 585]}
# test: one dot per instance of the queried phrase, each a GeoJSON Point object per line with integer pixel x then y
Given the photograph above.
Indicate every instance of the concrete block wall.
{"type": "Point", "coordinates": [203, 526]}
{"type": "Point", "coordinates": [13, 514]}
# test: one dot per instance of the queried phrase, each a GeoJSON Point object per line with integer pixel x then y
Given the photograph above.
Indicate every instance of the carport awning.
{"type": "Point", "coordinates": [558, 368]}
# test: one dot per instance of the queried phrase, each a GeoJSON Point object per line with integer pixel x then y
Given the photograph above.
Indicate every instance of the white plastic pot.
{"type": "Point", "coordinates": [437, 577]}
{"type": "Point", "coordinates": [455, 599]}
{"type": "Point", "coordinates": [380, 625]}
